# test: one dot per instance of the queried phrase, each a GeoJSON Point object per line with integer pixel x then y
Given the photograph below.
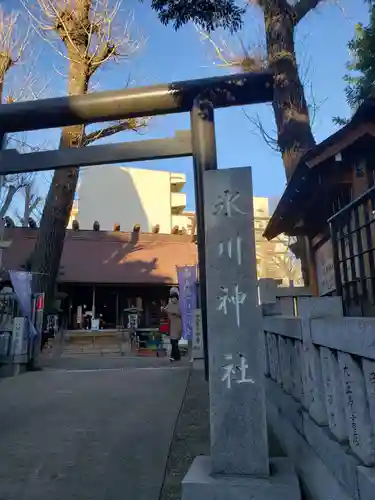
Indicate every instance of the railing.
{"type": "Point", "coordinates": [353, 241]}
{"type": "Point", "coordinates": [321, 371]}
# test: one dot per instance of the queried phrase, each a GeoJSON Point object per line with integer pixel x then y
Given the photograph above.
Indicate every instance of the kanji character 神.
{"type": "Point", "coordinates": [237, 299]}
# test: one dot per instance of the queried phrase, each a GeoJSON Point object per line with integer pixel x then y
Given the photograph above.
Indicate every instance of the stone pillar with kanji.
{"type": "Point", "coordinates": [239, 460]}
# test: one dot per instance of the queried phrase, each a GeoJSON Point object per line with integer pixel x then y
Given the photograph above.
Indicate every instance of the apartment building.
{"type": "Point", "coordinates": [129, 196]}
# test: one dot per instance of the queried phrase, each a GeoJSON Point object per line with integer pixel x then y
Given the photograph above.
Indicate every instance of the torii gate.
{"type": "Point", "coordinates": [199, 97]}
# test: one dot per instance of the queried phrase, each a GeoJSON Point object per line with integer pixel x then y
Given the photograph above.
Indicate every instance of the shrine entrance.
{"type": "Point", "coordinates": [198, 97]}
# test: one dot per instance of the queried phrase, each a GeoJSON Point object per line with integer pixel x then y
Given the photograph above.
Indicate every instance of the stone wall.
{"type": "Point", "coordinates": [320, 391]}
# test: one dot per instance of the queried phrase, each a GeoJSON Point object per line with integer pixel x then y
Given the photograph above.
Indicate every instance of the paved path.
{"type": "Point", "coordinates": [82, 433]}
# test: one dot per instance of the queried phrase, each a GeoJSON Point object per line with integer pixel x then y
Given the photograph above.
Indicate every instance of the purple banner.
{"type": "Point", "coordinates": [187, 281]}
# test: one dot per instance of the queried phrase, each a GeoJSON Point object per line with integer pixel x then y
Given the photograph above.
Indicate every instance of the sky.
{"type": "Point", "coordinates": [166, 56]}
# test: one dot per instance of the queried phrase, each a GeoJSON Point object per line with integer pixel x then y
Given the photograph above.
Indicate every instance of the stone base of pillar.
{"type": "Point", "coordinates": [282, 484]}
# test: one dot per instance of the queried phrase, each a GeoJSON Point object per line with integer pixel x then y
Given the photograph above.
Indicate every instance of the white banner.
{"type": "Point", "coordinates": [197, 335]}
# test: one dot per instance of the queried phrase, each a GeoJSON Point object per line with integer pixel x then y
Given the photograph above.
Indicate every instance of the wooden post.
{"type": "Point", "coordinates": [312, 268]}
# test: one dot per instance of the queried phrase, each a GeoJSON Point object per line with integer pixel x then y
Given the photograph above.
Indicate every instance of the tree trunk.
{"type": "Point", "coordinates": [27, 207]}
{"type": "Point", "coordinates": [51, 235]}
{"type": "Point", "coordinates": [294, 133]}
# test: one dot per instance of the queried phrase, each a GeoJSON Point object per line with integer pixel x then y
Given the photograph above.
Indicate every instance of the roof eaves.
{"type": "Point", "coordinates": [293, 191]}
{"type": "Point", "coordinates": [364, 113]}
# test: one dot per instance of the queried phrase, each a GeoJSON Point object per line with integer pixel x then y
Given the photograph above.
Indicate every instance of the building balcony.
{"type": "Point", "coordinates": [178, 181]}
{"type": "Point", "coordinates": [178, 202]}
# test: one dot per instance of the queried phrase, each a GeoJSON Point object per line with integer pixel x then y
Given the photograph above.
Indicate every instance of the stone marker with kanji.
{"type": "Point", "coordinates": [239, 464]}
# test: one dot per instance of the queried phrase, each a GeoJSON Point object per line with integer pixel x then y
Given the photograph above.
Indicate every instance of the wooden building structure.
{"type": "Point", "coordinates": [107, 273]}
{"type": "Point", "coordinates": [329, 200]}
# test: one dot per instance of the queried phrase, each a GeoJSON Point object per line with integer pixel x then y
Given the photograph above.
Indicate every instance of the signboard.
{"type": "Point", "coordinates": [79, 316]}
{"type": "Point", "coordinates": [197, 335]}
{"type": "Point", "coordinates": [19, 337]}
{"type": "Point", "coordinates": [133, 321]}
{"type": "Point", "coordinates": [325, 271]}
{"type": "Point", "coordinates": [95, 324]}
{"type": "Point", "coordinates": [187, 281]}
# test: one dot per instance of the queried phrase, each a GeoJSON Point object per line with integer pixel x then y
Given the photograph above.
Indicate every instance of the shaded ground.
{"type": "Point", "coordinates": [191, 436]}
{"type": "Point", "coordinates": [95, 361]}
{"type": "Point", "coordinates": [103, 427]}
{"type": "Point", "coordinates": [80, 432]}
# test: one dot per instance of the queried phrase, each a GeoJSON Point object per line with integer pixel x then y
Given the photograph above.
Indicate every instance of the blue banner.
{"type": "Point", "coordinates": [187, 281]}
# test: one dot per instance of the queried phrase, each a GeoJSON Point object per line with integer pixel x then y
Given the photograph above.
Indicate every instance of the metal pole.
{"type": "Point", "coordinates": [204, 158]}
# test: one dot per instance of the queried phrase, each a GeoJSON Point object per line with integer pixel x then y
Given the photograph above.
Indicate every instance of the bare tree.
{"type": "Point", "coordinates": [83, 32]}
{"type": "Point", "coordinates": [13, 42]}
{"type": "Point", "coordinates": [32, 205]}
{"type": "Point", "coordinates": [277, 261]}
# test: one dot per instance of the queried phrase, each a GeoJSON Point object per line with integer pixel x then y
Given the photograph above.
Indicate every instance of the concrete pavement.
{"type": "Point", "coordinates": [96, 428]}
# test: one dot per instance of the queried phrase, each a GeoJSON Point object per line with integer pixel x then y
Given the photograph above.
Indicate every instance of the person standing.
{"type": "Point", "coordinates": [175, 322]}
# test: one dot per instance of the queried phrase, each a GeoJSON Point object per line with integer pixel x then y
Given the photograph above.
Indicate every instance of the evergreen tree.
{"type": "Point", "coordinates": [361, 77]}
{"type": "Point", "coordinates": [209, 14]}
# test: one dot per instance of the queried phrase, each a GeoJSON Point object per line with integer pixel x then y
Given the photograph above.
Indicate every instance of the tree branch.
{"type": "Point", "coordinates": [246, 59]}
{"type": "Point", "coordinates": [270, 140]}
{"type": "Point", "coordinates": [107, 51]}
{"type": "Point", "coordinates": [8, 200]}
{"type": "Point", "coordinates": [131, 124]}
{"type": "Point", "coordinates": [303, 7]}
{"type": "Point", "coordinates": [11, 45]}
